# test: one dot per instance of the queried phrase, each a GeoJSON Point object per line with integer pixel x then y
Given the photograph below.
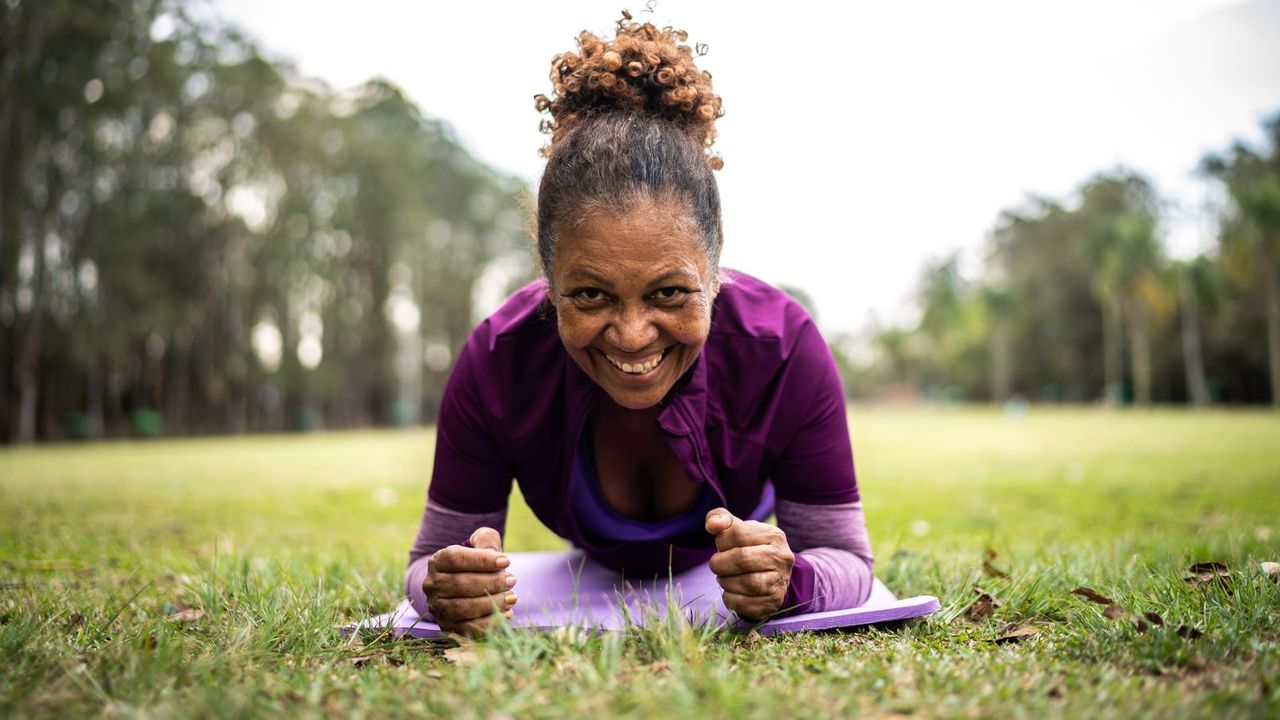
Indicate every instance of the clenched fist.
{"type": "Point", "coordinates": [467, 587]}
{"type": "Point", "coordinates": [753, 564]}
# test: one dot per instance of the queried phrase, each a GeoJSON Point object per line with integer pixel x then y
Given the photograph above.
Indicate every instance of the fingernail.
{"type": "Point", "coordinates": [717, 518]}
{"type": "Point", "coordinates": [511, 598]}
{"type": "Point", "coordinates": [511, 580]}
{"type": "Point", "coordinates": [503, 561]}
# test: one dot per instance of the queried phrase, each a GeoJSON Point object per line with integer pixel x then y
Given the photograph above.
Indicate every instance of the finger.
{"type": "Point", "coordinates": [750, 607]}
{"type": "Point", "coordinates": [749, 532]}
{"type": "Point", "coordinates": [459, 609]}
{"type": "Point", "coordinates": [719, 520]}
{"type": "Point", "coordinates": [745, 559]}
{"type": "Point", "coordinates": [457, 558]}
{"type": "Point", "coordinates": [756, 584]}
{"type": "Point", "coordinates": [465, 585]}
{"type": "Point", "coordinates": [476, 627]}
{"type": "Point", "coordinates": [486, 538]}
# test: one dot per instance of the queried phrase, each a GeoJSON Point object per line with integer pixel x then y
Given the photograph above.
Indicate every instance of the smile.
{"type": "Point", "coordinates": [643, 366]}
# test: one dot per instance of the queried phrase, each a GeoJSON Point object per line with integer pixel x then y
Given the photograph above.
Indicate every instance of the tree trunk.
{"type": "Point", "coordinates": [26, 371]}
{"type": "Point", "coordinates": [1112, 351]}
{"type": "Point", "coordinates": [93, 395]}
{"type": "Point", "coordinates": [1192, 355]}
{"type": "Point", "coordinates": [1001, 360]}
{"type": "Point", "coordinates": [1140, 350]}
{"type": "Point", "coordinates": [1272, 284]}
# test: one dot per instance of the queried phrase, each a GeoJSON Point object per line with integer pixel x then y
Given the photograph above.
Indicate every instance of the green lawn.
{"type": "Point", "coordinates": [206, 578]}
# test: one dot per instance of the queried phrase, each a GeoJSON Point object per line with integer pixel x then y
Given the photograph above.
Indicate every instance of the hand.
{"type": "Point", "coordinates": [467, 587]}
{"type": "Point", "coordinates": [753, 565]}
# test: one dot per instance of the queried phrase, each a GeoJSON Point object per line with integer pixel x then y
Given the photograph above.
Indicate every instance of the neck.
{"type": "Point", "coordinates": [621, 417]}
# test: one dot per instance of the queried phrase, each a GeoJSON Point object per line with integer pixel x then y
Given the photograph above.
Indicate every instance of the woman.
{"type": "Point", "coordinates": [654, 408]}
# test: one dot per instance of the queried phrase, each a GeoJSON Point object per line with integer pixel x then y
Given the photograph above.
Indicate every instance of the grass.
{"type": "Point", "coordinates": [205, 578]}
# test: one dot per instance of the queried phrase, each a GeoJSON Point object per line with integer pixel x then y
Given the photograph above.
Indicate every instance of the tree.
{"type": "Point", "coordinates": [1119, 213]}
{"type": "Point", "coordinates": [1250, 228]}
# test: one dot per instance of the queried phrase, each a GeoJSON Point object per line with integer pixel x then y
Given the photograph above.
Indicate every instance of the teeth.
{"type": "Point", "coordinates": [639, 368]}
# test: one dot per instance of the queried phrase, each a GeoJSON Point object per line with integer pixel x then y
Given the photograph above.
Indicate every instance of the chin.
{"type": "Point", "coordinates": [635, 401]}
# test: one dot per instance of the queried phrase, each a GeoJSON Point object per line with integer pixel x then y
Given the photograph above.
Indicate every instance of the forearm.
{"type": "Point", "coordinates": [833, 555]}
{"type": "Point", "coordinates": [440, 528]}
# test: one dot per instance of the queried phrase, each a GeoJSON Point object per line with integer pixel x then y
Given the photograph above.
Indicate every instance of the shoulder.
{"type": "Point", "coordinates": [751, 312]}
{"type": "Point", "coordinates": [513, 359]}
{"type": "Point", "coordinates": [766, 358]}
{"type": "Point", "coordinates": [523, 317]}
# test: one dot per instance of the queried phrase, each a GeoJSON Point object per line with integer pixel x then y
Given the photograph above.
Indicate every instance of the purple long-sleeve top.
{"type": "Point", "coordinates": [762, 404]}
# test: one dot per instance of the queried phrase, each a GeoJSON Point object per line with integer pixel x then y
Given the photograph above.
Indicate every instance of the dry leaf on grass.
{"type": "Point", "coordinates": [983, 607]}
{"type": "Point", "coordinates": [1207, 572]}
{"type": "Point", "coordinates": [463, 655]}
{"type": "Point", "coordinates": [1144, 621]}
{"type": "Point", "coordinates": [1190, 633]}
{"type": "Point", "coordinates": [187, 614]}
{"type": "Point", "coordinates": [1018, 635]}
{"type": "Point", "coordinates": [990, 569]}
{"type": "Point", "coordinates": [1116, 611]}
{"type": "Point", "coordinates": [1093, 595]}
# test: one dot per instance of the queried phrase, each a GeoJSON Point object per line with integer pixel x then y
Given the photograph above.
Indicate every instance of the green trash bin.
{"type": "Point", "coordinates": [307, 419]}
{"type": "Point", "coordinates": [404, 413]}
{"type": "Point", "coordinates": [146, 423]}
{"type": "Point", "coordinates": [78, 425]}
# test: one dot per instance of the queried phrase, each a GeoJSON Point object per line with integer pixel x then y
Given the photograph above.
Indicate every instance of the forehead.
{"type": "Point", "coordinates": [647, 239]}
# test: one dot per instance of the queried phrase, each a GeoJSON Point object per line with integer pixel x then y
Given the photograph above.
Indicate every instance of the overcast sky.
{"type": "Point", "coordinates": [860, 139]}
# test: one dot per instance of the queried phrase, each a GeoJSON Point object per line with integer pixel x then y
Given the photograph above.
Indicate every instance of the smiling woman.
{"type": "Point", "coordinates": [633, 296]}
{"type": "Point", "coordinates": [654, 408]}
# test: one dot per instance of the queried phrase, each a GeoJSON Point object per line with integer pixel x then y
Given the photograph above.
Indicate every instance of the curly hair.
{"type": "Point", "coordinates": [629, 116]}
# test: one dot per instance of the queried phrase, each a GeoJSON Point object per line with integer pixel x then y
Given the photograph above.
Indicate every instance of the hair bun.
{"type": "Point", "coordinates": [643, 68]}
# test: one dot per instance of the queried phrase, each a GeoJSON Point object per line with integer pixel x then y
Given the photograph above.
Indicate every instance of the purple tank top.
{"type": "Point", "coordinates": [597, 518]}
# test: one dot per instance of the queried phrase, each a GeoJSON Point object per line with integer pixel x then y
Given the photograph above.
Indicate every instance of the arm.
{"type": "Point", "coordinates": [833, 555]}
{"type": "Point", "coordinates": [819, 507]}
{"type": "Point", "coordinates": [440, 528]}
{"type": "Point", "coordinates": [470, 478]}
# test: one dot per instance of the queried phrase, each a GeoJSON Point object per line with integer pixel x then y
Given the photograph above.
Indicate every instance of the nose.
{"type": "Point", "coordinates": [632, 330]}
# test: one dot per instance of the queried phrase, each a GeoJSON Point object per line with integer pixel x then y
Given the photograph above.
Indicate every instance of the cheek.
{"type": "Point", "coordinates": [576, 329]}
{"type": "Point", "coordinates": [693, 326]}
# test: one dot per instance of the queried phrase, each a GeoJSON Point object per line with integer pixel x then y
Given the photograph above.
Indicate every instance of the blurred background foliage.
{"type": "Point", "coordinates": [196, 239]}
{"type": "Point", "coordinates": [1078, 301]}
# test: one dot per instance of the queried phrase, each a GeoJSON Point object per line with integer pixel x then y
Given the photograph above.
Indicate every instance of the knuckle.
{"type": "Point", "coordinates": [439, 609]}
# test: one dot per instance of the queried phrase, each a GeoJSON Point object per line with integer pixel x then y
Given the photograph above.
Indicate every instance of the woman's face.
{"type": "Point", "coordinates": [633, 294]}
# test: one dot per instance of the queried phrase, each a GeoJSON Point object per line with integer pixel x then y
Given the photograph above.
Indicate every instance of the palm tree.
{"type": "Point", "coordinates": [1250, 229]}
{"type": "Point", "coordinates": [1120, 216]}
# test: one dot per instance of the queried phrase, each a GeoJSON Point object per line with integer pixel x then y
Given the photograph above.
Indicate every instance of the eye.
{"type": "Point", "coordinates": [669, 295]}
{"type": "Point", "coordinates": [587, 297]}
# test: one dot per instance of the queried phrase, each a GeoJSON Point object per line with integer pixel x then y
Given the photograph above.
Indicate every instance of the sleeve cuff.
{"type": "Point", "coordinates": [799, 597]}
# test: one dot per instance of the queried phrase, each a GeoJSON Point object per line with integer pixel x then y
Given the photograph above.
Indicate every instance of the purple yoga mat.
{"type": "Point", "coordinates": [560, 589]}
